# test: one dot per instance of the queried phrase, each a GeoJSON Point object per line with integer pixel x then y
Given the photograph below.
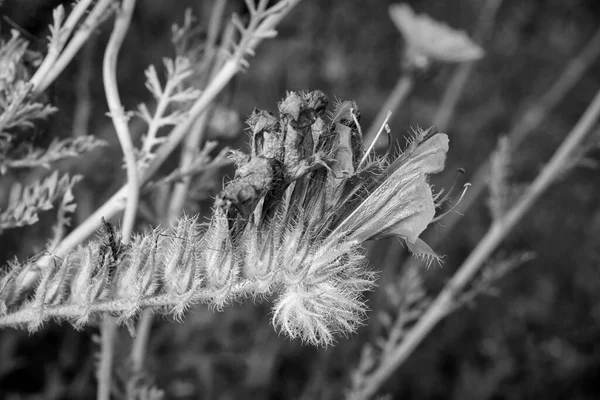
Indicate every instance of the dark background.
{"type": "Point", "coordinates": [540, 338]}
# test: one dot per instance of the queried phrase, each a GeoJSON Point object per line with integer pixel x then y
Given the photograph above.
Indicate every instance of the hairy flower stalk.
{"type": "Point", "coordinates": [289, 225]}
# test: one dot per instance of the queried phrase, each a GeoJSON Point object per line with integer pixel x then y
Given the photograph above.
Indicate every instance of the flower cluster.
{"type": "Point", "coordinates": [304, 201]}
{"type": "Point", "coordinates": [290, 224]}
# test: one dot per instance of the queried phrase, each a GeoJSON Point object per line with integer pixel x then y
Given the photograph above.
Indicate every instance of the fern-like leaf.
{"type": "Point", "coordinates": [31, 157]}
{"type": "Point", "coordinates": [25, 203]}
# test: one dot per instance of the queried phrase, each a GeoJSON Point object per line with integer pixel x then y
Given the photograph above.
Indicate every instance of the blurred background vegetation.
{"type": "Point", "coordinates": [538, 338]}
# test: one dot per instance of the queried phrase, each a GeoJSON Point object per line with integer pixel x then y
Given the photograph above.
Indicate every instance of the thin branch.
{"type": "Point", "coordinates": [140, 343]}
{"type": "Point", "coordinates": [83, 104]}
{"type": "Point", "coordinates": [55, 48]}
{"type": "Point", "coordinates": [214, 27]}
{"type": "Point", "coordinates": [81, 119]}
{"type": "Point", "coordinates": [109, 72]}
{"type": "Point", "coordinates": [94, 18]}
{"type": "Point", "coordinates": [108, 332]}
{"type": "Point", "coordinates": [196, 136]}
{"type": "Point", "coordinates": [485, 24]}
{"type": "Point", "coordinates": [75, 310]}
{"type": "Point", "coordinates": [188, 154]}
{"type": "Point", "coordinates": [492, 239]}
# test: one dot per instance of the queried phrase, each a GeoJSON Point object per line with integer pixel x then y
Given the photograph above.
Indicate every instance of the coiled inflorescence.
{"type": "Point", "coordinates": [290, 224]}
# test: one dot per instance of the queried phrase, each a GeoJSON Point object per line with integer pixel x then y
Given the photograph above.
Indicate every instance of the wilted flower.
{"type": "Point", "coordinates": [290, 224]}
{"type": "Point", "coordinates": [303, 202]}
{"type": "Point", "coordinates": [427, 39]}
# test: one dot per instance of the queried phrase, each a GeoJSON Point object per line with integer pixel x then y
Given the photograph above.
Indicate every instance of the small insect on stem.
{"type": "Point", "coordinates": [110, 241]}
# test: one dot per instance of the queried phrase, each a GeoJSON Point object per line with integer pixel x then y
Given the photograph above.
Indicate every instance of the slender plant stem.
{"type": "Point", "coordinates": [214, 25]}
{"type": "Point", "coordinates": [117, 114]}
{"type": "Point", "coordinates": [109, 73]}
{"type": "Point", "coordinates": [83, 105]}
{"type": "Point", "coordinates": [492, 239]}
{"type": "Point", "coordinates": [76, 310]}
{"type": "Point", "coordinates": [140, 343]}
{"type": "Point", "coordinates": [95, 17]}
{"type": "Point", "coordinates": [401, 91]}
{"type": "Point", "coordinates": [454, 90]}
{"type": "Point", "coordinates": [188, 153]}
{"type": "Point", "coordinates": [81, 120]}
{"type": "Point", "coordinates": [194, 139]}
{"type": "Point", "coordinates": [57, 47]}
{"type": "Point", "coordinates": [108, 332]}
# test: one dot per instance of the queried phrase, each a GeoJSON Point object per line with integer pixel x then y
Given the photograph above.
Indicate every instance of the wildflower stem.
{"type": "Point", "coordinates": [81, 120]}
{"type": "Point", "coordinates": [188, 153]}
{"type": "Point", "coordinates": [108, 331]}
{"type": "Point", "coordinates": [457, 83]}
{"type": "Point", "coordinates": [79, 38]}
{"type": "Point", "coordinates": [196, 136]}
{"type": "Point", "coordinates": [492, 239]}
{"type": "Point", "coordinates": [401, 91]}
{"type": "Point", "coordinates": [117, 114]}
{"type": "Point", "coordinates": [75, 310]}
{"type": "Point", "coordinates": [140, 342]}
{"type": "Point", "coordinates": [109, 73]}
{"type": "Point", "coordinates": [83, 104]}
{"type": "Point", "coordinates": [57, 44]}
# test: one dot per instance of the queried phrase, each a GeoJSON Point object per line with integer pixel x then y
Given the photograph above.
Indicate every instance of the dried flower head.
{"type": "Point", "coordinates": [427, 39]}
{"type": "Point", "coordinates": [302, 203]}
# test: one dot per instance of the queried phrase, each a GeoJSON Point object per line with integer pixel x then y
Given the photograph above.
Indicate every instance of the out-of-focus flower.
{"type": "Point", "coordinates": [224, 123]}
{"type": "Point", "coordinates": [303, 202]}
{"type": "Point", "coordinates": [430, 40]}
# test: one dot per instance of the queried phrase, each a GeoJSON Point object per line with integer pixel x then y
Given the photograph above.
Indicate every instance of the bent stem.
{"type": "Point", "coordinates": [401, 91]}
{"type": "Point", "coordinates": [492, 239]}
{"type": "Point", "coordinates": [117, 114]}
